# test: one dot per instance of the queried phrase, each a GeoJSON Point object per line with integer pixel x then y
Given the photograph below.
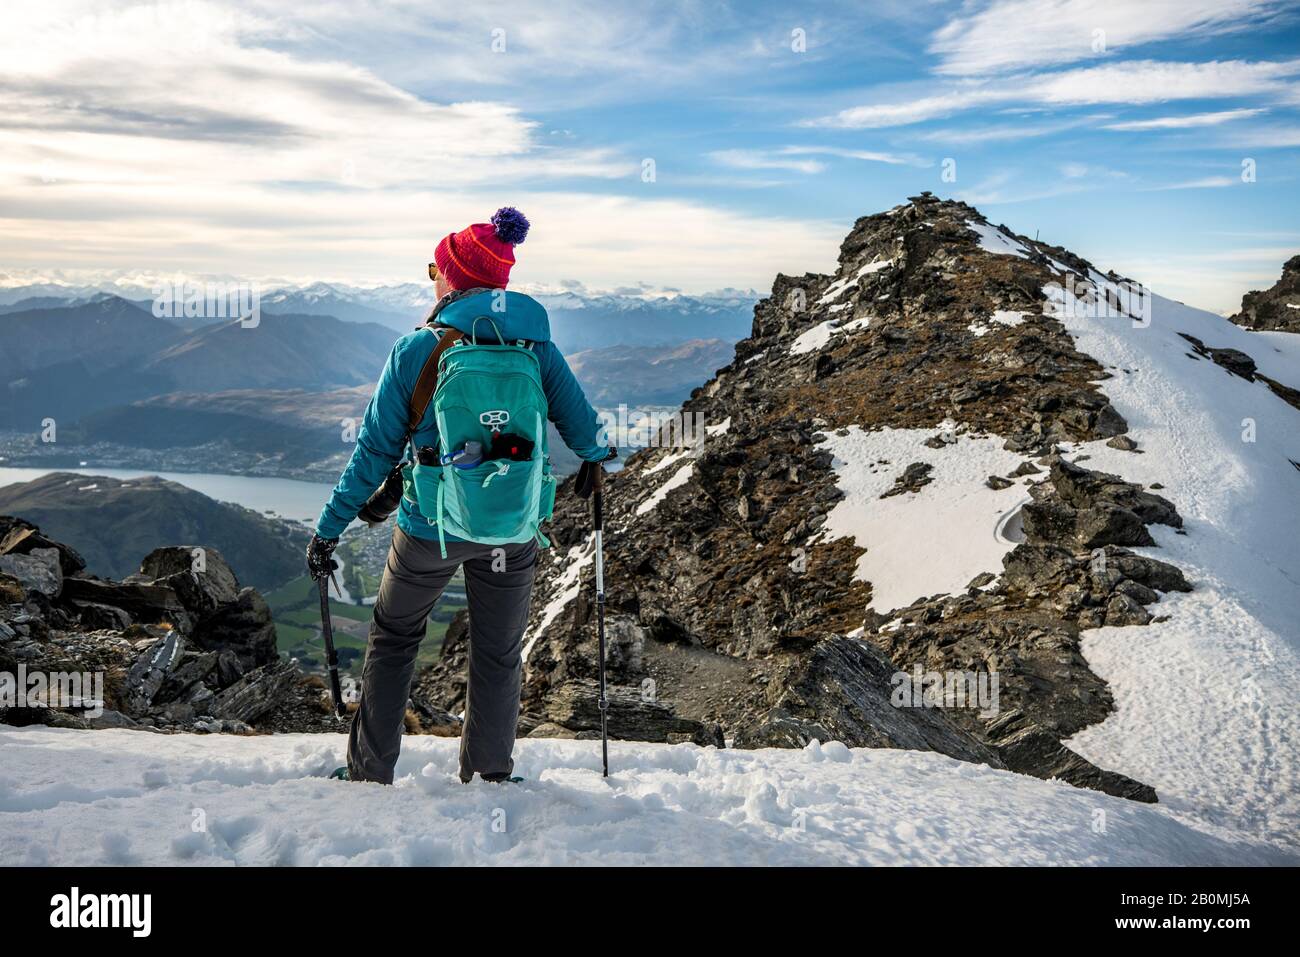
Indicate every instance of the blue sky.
{"type": "Point", "coordinates": [337, 141]}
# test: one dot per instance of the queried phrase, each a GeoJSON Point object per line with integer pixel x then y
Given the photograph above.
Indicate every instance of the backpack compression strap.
{"type": "Point", "coordinates": [427, 383]}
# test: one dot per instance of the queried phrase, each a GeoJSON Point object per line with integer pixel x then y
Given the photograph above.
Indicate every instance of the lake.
{"type": "Point", "coordinates": [288, 498]}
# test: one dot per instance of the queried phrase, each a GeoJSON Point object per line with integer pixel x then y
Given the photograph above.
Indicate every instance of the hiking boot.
{"type": "Point", "coordinates": [500, 777]}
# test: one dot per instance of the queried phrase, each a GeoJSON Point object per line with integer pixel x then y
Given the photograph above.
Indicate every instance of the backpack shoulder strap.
{"type": "Point", "coordinates": [427, 383]}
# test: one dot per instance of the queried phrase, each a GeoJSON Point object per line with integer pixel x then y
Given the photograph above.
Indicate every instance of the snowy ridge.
{"type": "Point", "coordinates": [1206, 700]}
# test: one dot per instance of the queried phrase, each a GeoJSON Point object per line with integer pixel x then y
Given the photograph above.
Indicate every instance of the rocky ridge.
{"type": "Point", "coordinates": [1276, 308]}
{"type": "Point", "coordinates": [730, 607]}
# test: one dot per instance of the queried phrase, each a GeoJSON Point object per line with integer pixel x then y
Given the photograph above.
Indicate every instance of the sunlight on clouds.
{"type": "Point", "coordinates": [174, 137]}
{"type": "Point", "coordinates": [358, 235]}
{"type": "Point", "coordinates": [176, 92]}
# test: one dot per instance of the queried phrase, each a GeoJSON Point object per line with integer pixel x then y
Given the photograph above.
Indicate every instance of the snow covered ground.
{"type": "Point", "coordinates": [1208, 702]}
{"type": "Point", "coordinates": [125, 797]}
{"type": "Point", "coordinates": [932, 541]}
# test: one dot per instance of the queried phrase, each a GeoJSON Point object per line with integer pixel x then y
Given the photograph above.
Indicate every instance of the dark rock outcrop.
{"type": "Point", "coordinates": [633, 717]}
{"type": "Point", "coordinates": [1276, 308]}
{"type": "Point", "coordinates": [842, 692]}
{"type": "Point", "coordinates": [180, 645]}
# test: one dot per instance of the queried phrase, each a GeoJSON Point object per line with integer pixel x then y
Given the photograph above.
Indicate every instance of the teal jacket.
{"type": "Point", "coordinates": [381, 441]}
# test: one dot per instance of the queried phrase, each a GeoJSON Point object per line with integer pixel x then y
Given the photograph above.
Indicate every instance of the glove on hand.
{"type": "Point", "coordinates": [319, 560]}
{"type": "Point", "coordinates": [588, 475]}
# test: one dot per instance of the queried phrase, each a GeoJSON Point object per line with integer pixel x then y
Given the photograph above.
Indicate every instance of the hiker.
{"type": "Point", "coordinates": [494, 490]}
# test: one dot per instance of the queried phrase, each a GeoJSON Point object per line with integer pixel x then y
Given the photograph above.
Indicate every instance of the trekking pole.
{"type": "Point", "coordinates": [331, 656]}
{"type": "Point", "coordinates": [598, 523]}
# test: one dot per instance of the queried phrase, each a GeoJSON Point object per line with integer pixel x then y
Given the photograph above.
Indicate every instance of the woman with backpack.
{"type": "Point", "coordinates": [466, 398]}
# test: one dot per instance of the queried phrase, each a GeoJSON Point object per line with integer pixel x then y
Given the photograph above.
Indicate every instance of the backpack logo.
{"type": "Point", "coordinates": [494, 419]}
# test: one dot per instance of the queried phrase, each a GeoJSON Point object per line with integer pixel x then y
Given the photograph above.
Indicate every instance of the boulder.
{"type": "Point", "coordinates": [425, 718]}
{"type": "Point", "coordinates": [1107, 422]}
{"type": "Point", "coordinates": [95, 616]}
{"type": "Point", "coordinates": [1082, 488]}
{"type": "Point", "coordinates": [1036, 567]}
{"type": "Point", "coordinates": [1150, 572]}
{"type": "Point", "coordinates": [109, 718]}
{"type": "Point", "coordinates": [913, 478]}
{"type": "Point", "coordinates": [1108, 524]}
{"type": "Point", "coordinates": [549, 729]}
{"type": "Point", "coordinates": [1137, 591]}
{"type": "Point", "coordinates": [20, 538]}
{"type": "Point", "coordinates": [1123, 610]}
{"type": "Point", "coordinates": [242, 626]}
{"type": "Point", "coordinates": [200, 577]}
{"type": "Point", "coordinates": [146, 604]}
{"type": "Point", "coordinates": [39, 571]}
{"type": "Point", "coordinates": [1029, 748]}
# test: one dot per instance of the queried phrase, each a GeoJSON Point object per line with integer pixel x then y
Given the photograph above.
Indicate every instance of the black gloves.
{"type": "Point", "coordinates": [319, 562]}
{"type": "Point", "coordinates": [588, 475]}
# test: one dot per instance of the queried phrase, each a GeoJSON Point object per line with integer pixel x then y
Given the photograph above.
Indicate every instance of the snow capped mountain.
{"type": "Point", "coordinates": [580, 318]}
{"type": "Point", "coordinates": [965, 455]}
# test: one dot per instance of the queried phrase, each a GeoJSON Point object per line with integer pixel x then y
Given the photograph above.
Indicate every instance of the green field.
{"type": "Point", "coordinates": [295, 608]}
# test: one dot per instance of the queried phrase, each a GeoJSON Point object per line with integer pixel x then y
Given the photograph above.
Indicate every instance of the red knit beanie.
{"type": "Point", "coordinates": [482, 254]}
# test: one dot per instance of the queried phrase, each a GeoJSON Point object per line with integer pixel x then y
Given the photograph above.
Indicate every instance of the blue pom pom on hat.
{"type": "Point", "coordinates": [511, 225]}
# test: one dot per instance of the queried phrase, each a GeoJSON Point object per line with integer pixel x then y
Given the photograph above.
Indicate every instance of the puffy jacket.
{"type": "Point", "coordinates": [381, 441]}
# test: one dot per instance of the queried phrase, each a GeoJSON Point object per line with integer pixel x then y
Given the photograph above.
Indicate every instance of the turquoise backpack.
{"type": "Point", "coordinates": [482, 388]}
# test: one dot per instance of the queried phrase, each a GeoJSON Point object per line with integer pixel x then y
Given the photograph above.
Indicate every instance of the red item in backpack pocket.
{"type": "Point", "coordinates": [506, 445]}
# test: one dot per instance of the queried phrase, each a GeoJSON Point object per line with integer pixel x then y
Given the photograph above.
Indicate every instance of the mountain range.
{"type": "Point", "coordinates": [275, 395]}
{"type": "Point", "coordinates": [580, 319]}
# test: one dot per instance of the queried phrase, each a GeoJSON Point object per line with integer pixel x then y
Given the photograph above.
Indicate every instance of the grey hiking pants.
{"type": "Point", "coordinates": [498, 586]}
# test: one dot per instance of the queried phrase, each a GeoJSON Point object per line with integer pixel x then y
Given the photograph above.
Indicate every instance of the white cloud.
{"type": "Point", "coordinates": [869, 156]}
{"type": "Point", "coordinates": [765, 159]}
{"type": "Point", "coordinates": [1214, 280]}
{"type": "Point", "coordinates": [1010, 186]}
{"type": "Point", "coordinates": [1188, 121]}
{"type": "Point", "coordinates": [1205, 182]}
{"type": "Point", "coordinates": [186, 92]}
{"type": "Point", "coordinates": [1135, 82]}
{"type": "Point", "coordinates": [364, 236]}
{"type": "Point", "coordinates": [1006, 131]}
{"type": "Point", "coordinates": [792, 158]}
{"type": "Point", "coordinates": [1263, 136]}
{"type": "Point", "coordinates": [192, 136]}
{"type": "Point", "coordinates": [1017, 34]}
